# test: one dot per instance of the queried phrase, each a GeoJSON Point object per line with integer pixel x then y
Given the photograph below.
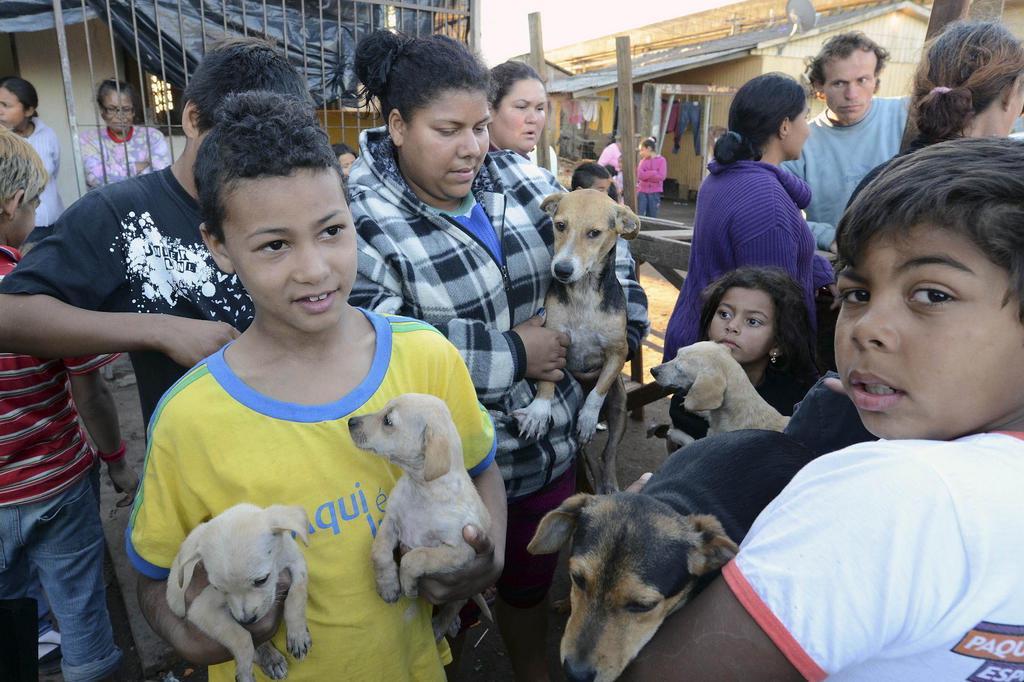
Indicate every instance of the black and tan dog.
{"type": "Point", "coordinates": [586, 302]}
{"type": "Point", "coordinates": [637, 557]}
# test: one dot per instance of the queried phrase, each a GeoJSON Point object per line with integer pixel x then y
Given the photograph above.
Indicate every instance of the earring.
{"type": "Point", "coordinates": [773, 356]}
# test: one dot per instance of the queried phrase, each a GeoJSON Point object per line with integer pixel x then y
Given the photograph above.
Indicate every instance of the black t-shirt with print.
{"type": "Point", "coordinates": [134, 247]}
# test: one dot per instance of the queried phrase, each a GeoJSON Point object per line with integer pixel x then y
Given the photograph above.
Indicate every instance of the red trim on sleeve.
{"type": "Point", "coordinates": [771, 625]}
{"type": "Point", "coordinates": [1015, 434]}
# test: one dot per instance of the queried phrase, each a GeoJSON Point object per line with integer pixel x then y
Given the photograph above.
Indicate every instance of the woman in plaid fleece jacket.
{"type": "Point", "coordinates": [470, 253]}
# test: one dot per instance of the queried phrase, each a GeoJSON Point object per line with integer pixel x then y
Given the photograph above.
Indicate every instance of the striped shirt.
{"type": "Point", "coordinates": [43, 449]}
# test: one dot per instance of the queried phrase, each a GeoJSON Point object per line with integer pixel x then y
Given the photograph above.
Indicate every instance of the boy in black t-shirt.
{"type": "Point", "coordinates": [126, 269]}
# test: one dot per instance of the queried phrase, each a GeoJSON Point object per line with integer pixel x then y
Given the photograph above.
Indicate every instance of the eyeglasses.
{"type": "Point", "coordinates": [119, 111]}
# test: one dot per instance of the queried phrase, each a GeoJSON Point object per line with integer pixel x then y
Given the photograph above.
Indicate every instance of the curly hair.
{"type": "Point", "coordinates": [967, 67]}
{"type": "Point", "coordinates": [794, 335]}
{"type": "Point", "coordinates": [406, 73]}
{"type": "Point", "coordinates": [841, 47]}
{"type": "Point", "coordinates": [972, 187]}
{"type": "Point", "coordinates": [258, 135]}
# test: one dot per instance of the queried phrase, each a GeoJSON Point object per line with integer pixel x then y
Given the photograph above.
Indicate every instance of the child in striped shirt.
{"type": "Point", "coordinates": [49, 504]}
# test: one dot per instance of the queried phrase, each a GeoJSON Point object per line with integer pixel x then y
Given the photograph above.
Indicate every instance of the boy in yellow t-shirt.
{"type": "Point", "coordinates": [264, 419]}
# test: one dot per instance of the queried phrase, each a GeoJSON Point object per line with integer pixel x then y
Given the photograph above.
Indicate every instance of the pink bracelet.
{"type": "Point", "coordinates": [116, 455]}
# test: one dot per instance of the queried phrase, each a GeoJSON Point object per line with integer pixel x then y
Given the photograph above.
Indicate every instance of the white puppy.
{"type": "Point", "coordinates": [431, 503]}
{"type": "Point", "coordinates": [243, 549]}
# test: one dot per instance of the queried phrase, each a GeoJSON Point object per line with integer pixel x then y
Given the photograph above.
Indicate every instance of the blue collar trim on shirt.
{"type": "Point", "coordinates": [293, 412]}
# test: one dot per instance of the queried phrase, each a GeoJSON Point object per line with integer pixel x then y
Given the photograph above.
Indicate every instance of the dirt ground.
{"type": "Point", "coordinates": [484, 655]}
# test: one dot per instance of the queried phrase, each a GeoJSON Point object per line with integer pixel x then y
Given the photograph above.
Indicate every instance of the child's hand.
{"type": "Point", "coordinates": [125, 480]}
{"type": "Point", "coordinates": [477, 576]}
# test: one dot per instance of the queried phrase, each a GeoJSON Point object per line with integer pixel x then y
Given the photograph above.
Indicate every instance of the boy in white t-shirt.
{"type": "Point", "coordinates": [898, 559]}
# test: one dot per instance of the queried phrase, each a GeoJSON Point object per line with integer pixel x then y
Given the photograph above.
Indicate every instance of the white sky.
{"type": "Point", "coordinates": [505, 32]}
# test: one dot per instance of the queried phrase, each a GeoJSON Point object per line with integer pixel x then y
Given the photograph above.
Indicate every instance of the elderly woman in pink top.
{"type": "Point", "coordinates": [650, 179]}
{"type": "Point", "coordinates": [120, 149]}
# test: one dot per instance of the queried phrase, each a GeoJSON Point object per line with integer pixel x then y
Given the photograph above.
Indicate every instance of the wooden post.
{"type": "Point", "coordinates": [627, 136]}
{"type": "Point", "coordinates": [537, 62]}
{"type": "Point", "coordinates": [475, 20]}
{"type": "Point", "coordinates": [945, 12]}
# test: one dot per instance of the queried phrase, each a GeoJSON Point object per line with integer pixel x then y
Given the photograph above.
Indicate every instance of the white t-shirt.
{"type": "Point", "coordinates": [895, 560]}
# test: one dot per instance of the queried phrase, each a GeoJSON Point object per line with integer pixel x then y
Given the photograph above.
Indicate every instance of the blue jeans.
{"type": "Point", "coordinates": [648, 203]}
{"type": "Point", "coordinates": [61, 537]}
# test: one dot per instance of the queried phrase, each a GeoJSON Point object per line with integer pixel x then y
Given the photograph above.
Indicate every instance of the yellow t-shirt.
{"type": "Point", "coordinates": [215, 442]}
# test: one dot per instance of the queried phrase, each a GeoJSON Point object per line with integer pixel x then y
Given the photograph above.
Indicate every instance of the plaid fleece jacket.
{"type": "Point", "coordinates": [415, 261]}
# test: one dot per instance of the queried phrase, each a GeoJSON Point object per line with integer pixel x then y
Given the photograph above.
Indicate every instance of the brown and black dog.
{"type": "Point", "coordinates": [637, 557]}
{"type": "Point", "coordinates": [586, 302]}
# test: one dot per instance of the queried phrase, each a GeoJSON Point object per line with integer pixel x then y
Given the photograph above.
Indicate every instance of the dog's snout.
{"type": "Point", "coordinates": [577, 672]}
{"type": "Point", "coordinates": [562, 269]}
{"type": "Point", "coordinates": [655, 371]}
{"type": "Point", "coordinates": [355, 422]}
{"type": "Point", "coordinates": [249, 620]}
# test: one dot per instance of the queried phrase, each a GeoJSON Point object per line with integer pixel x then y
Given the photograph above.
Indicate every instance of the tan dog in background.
{"type": "Point", "coordinates": [585, 301]}
{"type": "Point", "coordinates": [429, 505]}
{"type": "Point", "coordinates": [237, 544]}
{"type": "Point", "coordinates": [717, 386]}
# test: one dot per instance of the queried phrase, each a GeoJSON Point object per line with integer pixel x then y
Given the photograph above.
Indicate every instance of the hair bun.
{"type": "Point", "coordinates": [944, 112]}
{"type": "Point", "coordinates": [375, 57]}
{"type": "Point", "coordinates": [732, 147]}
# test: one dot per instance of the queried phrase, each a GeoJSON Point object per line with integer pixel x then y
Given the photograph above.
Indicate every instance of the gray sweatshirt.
{"type": "Point", "coordinates": [835, 158]}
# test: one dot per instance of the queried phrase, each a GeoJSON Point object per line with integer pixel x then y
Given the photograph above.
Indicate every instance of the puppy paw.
{"type": "Point", "coordinates": [389, 590]}
{"type": "Point", "coordinates": [244, 675]}
{"type": "Point", "coordinates": [534, 419]}
{"type": "Point", "coordinates": [410, 587]}
{"type": "Point", "coordinates": [299, 644]}
{"type": "Point", "coordinates": [271, 661]}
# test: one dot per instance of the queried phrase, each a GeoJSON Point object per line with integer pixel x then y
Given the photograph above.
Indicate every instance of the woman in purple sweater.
{"type": "Point", "coordinates": [748, 209]}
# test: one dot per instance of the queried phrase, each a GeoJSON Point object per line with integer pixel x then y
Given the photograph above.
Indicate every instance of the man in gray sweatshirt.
{"type": "Point", "coordinates": [855, 133]}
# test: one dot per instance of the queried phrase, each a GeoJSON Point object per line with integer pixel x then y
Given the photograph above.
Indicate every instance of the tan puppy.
{"type": "Point", "coordinates": [585, 301]}
{"type": "Point", "coordinates": [717, 386]}
{"type": "Point", "coordinates": [243, 549]}
{"type": "Point", "coordinates": [431, 503]}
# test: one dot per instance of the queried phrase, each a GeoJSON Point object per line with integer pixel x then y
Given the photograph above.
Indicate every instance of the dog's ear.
{"type": "Point", "coordinates": [437, 454]}
{"type": "Point", "coordinates": [707, 391]}
{"type": "Point", "coordinates": [182, 568]}
{"type": "Point", "coordinates": [557, 526]}
{"type": "Point", "coordinates": [712, 548]}
{"type": "Point", "coordinates": [550, 203]}
{"type": "Point", "coordinates": [290, 518]}
{"type": "Point", "coordinates": [626, 222]}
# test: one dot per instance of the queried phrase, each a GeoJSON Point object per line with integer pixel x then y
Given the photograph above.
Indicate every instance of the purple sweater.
{"type": "Point", "coordinates": [748, 213]}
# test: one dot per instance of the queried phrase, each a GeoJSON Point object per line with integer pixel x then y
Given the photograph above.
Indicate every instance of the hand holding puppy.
{"type": "Point", "coordinates": [473, 578]}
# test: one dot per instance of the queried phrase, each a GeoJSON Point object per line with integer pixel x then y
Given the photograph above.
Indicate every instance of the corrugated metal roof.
{"type": "Point", "coordinates": [663, 62]}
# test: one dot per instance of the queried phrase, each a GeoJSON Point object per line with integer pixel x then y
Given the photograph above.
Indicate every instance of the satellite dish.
{"type": "Point", "coordinates": [802, 14]}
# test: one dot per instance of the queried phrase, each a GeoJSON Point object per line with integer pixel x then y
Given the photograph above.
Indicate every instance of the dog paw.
{"type": "Point", "coordinates": [534, 419]}
{"type": "Point", "coordinates": [271, 661]}
{"type": "Point", "coordinates": [244, 676]}
{"type": "Point", "coordinates": [585, 427]}
{"type": "Point", "coordinates": [389, 590]}
{"type": "Point", "coordinates": [299, 644]}
{"type": "Point", "coordinates": [441, 628]}
{"type": "Point", "coordinates": [410, 587]}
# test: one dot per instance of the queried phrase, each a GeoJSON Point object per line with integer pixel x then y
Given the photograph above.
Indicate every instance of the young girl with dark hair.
{"type": "Point", "coordinates": [748, 209]}
{"type": "Point", "coordinates": [454, 235]}
{"type": "Point", "coordinates": [969, 85]}
{"type": "Point", "coordinates": [759, 314]}
{"type": "Point", "coordinates": [19, 111]}
{"type": "Point", "coordinates": [651, 172]}
{"type": "Point", "coordinates": [519, 110]}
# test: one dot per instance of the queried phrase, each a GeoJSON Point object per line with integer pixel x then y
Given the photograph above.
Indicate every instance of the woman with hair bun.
{"type": "Point", "coordinates": [455, 236]}
{"type": "Point", "coordinates": [970, 84]}
{"type": "Point", "coordinates": [748, 208]}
